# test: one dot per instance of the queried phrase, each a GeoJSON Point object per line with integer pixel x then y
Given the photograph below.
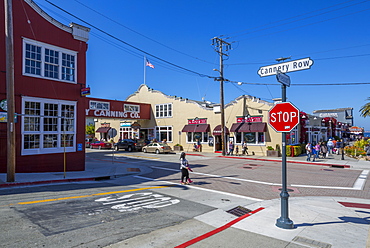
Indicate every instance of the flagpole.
{"type": "Point", "coordinates": [144, 70]}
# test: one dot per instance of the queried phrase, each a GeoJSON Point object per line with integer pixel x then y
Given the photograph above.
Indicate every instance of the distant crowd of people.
{"type": "Point", "coordinates": [323, 149]}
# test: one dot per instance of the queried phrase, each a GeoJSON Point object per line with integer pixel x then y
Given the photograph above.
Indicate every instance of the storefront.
{"type": "Point", "coordinates": [249, 129]}
{"type": "Point", "coordinates": [116, 120]}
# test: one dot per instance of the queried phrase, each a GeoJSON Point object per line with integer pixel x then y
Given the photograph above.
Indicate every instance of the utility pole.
{"type": "Point", "coordinates": [10, 91]}
{"type": "Point", "coordinates": [220, 44]}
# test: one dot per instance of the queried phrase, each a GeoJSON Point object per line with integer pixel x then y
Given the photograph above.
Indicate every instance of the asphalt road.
{"type": "Point", "coordinates": [97, 214]}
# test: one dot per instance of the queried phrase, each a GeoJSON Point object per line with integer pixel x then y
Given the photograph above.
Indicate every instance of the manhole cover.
{"type": "Point", "coordinates": [239, 211]}
{"type": "Point", "coordinates": [247, 167]}
{"type": "Point", "coordinates": [327, 170]}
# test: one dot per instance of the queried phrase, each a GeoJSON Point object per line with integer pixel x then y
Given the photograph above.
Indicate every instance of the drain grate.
{"type": "Point", "coordinates": [239, 211]}
{"type": "Point", "coordinates": [133, 169]}
{"type": "Point", "coordinates": [311, 242]}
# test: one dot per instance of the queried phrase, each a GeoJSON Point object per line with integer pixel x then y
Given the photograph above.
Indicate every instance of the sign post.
{"type": "Point", "coordinates": [283, 117]}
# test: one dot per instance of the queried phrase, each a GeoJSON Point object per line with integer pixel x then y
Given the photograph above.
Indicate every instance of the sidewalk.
{"type": "Point", "coordinates": [318, 221]}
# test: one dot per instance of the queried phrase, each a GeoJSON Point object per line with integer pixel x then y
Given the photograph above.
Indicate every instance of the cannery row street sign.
{"type": "Point", "coordinates": [290, 66]}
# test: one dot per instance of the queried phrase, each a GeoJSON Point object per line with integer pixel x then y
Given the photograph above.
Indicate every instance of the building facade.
{"type": "Point", "coordinates": [186, 122]}
{"type": "Point", "coordinates": [115, 120]}
{"type": "Point", "coordinates": [49, 73]}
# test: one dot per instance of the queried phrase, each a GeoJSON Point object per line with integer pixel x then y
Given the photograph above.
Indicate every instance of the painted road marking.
{"type": "Point", "coordinates": [137, 201]}
{"type": "Point", "coordinates": [358, 185]}
{"type": "Point", "coordinates": [217, 230]}
{"type": "Point", "coordinates": [209, 190]}
{"type": "Point", "coordinates": [84, 196]}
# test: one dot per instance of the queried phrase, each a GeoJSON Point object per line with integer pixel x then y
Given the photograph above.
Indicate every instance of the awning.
{"type": "Point", "coordinates": [102, 130]}
{"type": "Point", "coordinates": [248, 127]}
{"type": "Point", "coordinates": [217, 130]}
{"type": "Point", "coordinates": [252, 127]}
{"type": "Point", "coordinates": [202, 128]}
{"type": "Point", "coordinates": [235, 127]}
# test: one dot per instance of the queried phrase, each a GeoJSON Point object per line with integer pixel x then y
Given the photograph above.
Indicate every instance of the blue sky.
{"type": "Point", "coordinates": [176, 35]}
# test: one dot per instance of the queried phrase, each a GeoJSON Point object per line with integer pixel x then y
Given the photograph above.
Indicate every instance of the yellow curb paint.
{"type": "Point", "coordinates": [84, 196]}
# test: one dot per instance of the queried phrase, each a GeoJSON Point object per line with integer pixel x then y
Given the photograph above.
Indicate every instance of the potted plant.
{"type": "Point", "coordinates": [271, 152]}
{"type": "Point", "coordinates": [177, 147]}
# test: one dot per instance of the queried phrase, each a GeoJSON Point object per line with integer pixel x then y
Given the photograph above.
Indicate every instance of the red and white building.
{"type": "Point", "coordinates": [49, 73]}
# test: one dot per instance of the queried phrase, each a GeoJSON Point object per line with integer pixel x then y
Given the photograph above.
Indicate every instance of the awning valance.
{"type": "Point", "coordinates": [235, 127]}
{"type": "Point", "coordinates": [202, 128]}
{"type": "Point", "coordinates": [217, 130]}
{"type": "Point", "coordinates": [249, 127]}
{"type": "Point", "coordinates": [102, 130]}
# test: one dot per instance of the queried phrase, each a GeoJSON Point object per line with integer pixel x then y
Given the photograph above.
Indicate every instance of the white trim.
{"type": "Point", "coordinates": [59, 133]}
{"type": "Point", "coordinates": [51, 47]}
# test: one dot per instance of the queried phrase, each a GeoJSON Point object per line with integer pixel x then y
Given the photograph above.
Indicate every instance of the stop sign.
{"type": "Point", "coordinates": [283, 117]}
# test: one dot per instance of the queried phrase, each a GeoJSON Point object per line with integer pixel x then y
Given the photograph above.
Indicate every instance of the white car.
{"type": "Point", "coordinates": [157, 148]}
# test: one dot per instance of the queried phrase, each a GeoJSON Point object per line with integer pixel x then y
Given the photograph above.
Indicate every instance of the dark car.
{"type": "Point", "coordinates": [100, 145]}
{"type": "Point", "coordinates": [127, 145]}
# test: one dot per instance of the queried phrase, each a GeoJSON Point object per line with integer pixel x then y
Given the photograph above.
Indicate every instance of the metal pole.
{"type": "Point", "coordinates": [223, 133]}
{"type": "Point", "coordinates": [10, 91]}
{"type": "Point", "coordinates": [284, 221]}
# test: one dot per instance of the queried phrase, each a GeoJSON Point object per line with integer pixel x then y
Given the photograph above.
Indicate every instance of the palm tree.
{"type": "Point", "coordinates": [365, 110]}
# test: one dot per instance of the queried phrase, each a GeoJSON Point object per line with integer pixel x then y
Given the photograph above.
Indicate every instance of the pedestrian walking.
{"type": "Point", "coordinates": [231, 148]}
{"type": "Point", "coordinates": [184, 167]}
{"type": "Point", "coordinates": [308, 151]}
{"type": "Point", "coordinates": [317, 150]}
{"type": "Point", "coordinates": [244, 148]}
{"type": "Point", "coordinates": [330, 146]}
{"type": "Point", "coordinates": [236, 150]}
{"type": "Point", "coordinates": [367, 150]}
{"type": "Point", "coordinates": [324, 150]}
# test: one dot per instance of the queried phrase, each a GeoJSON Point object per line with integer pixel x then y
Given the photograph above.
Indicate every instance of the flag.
{"type": "Point", "coordinates": [149, 64]}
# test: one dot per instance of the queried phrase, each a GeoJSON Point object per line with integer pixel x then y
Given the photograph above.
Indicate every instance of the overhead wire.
{"type": "Point", "coordinates": [132, 46]}
{"type": "Point", "coordinates": [134, 31]}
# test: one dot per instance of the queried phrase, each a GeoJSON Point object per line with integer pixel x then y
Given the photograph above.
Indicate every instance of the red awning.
{"type": "Point", "coordinates": [252, 127]}
{"type": "Point", "coordinates": [235, 127]}
{"type": "Point", "coordinates": [102, 130]}
{"type": "Point", "coordinates": [217, 130]}
{"type": "Point", "coordinates": [202, 128]}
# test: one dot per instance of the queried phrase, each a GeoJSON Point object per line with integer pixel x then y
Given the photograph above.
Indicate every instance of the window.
{"type": "Point", "coordinates": [48, 126]}
{"type": "Point", "coordinates": [163, 132]}
{"type": "Point", "coordinates": [257, 138]}
{"type": "Point", "coordinates": [163, 110]}
{"type": "Point", "coordinates": [47, 61]}
{"type": "Point", "coordinates": [99, 105]}
{"type": "Point", "coordinates": [193, 137]}
{"type": "Point", "coordinates": [131, 108]}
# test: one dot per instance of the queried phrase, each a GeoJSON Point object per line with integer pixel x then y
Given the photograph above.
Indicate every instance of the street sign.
{"type": "Point", "coordinates": [283, 78]}
{"type": "Point", "coordinates": [283, 117]}
{"type": "Point", "coordinates": [290, 66]}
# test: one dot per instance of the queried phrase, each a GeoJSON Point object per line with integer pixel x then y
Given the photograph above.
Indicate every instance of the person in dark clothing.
{"type": "Point", "coordinates": [184, 167]}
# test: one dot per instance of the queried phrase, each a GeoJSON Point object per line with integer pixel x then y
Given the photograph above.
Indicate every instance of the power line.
{"type": "Point", "coordinates": [120, 24]}
{"type": "Point", "coordinates": [311, 84]}
{"type": "Point", "coordinates": [136, 48]}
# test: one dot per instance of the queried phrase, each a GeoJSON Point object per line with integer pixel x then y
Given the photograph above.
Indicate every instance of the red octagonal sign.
{"type": "Point", "coordinates": [283, 117]}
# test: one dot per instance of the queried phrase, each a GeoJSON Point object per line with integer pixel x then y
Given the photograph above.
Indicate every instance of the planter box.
{"type": "Point", "coordinates": [272, 153]}
{"type": "Point", "coordinates": [177, 148]}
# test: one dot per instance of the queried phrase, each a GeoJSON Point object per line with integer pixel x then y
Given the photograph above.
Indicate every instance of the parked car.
{"type": "Point", "coordinates": [100, 145]}
{"type": "Point", "coordinates": [88, 142]}
{"type": "Point", "coordinates": [128, 145]}
{"type": "Point", "coordinates": [157, 148]}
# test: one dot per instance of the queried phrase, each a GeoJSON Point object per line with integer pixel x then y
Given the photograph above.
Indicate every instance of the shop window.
{"type": "Point", "coordinates": [257, 138]}
{"type": "Point", "coordinates": [47, 61]}
{"type": "Point", "coordinates": [99, 105]}
{"type": "Point", "coordinates": [163, 133]}
{"type": "Point", "coordinates": [48, 126]}
{"type": "Point", "coordinates": [203, 137]}
{"type": "Point", "coordinates": [131, 108]}
{"type": "Point", "coordinates": [163, 110]}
